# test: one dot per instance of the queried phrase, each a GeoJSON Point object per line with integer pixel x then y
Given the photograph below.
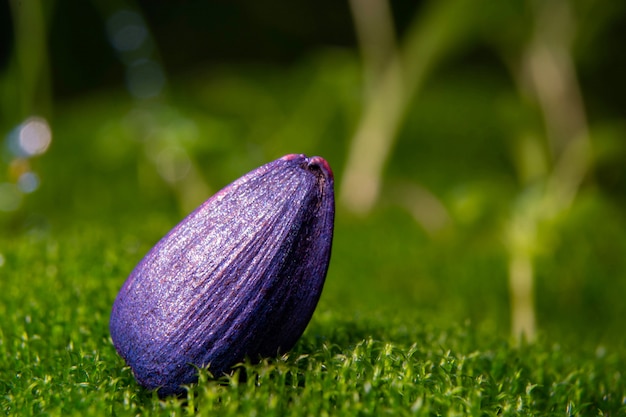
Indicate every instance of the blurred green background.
{"type": "Point", "coordinates": [478, 147]}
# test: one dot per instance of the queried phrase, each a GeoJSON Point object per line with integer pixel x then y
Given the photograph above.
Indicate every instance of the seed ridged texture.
{"type": "Point", "coordinates": [239, 277]}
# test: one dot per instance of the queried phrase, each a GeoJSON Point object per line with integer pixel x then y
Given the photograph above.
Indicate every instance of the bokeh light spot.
{"type": "Point", "coordinates": [127, 31]}
{"type": "Point", "coordinates": [18, 167]}
{"type": "Point", "coordinates": [34, 136]}
{"type": "Point", "coordinates": [28, 182]}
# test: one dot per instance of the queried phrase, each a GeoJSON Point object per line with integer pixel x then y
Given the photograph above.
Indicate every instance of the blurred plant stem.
{"type": "Point", "coordinates": [384, 104]}
{"type": "Point", "coordinates": [377, 41]}
{"type": "Point", "coordinates": [31, 70]}
{"type": "Point", "coordinates": [547, 75]}
{"type": "Point", "coordinates": [393, 76]}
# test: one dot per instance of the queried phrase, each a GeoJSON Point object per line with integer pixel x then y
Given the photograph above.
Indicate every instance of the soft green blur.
{"type": "Point", "coordinates": [478, 179]}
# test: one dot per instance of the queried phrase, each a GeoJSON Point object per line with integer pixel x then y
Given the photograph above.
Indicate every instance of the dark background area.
{"type": "Point", "coordinates": [191, 34]}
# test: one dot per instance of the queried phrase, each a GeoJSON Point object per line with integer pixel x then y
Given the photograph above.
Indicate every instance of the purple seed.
{"type": "Point", "coordinates": [239, 277]}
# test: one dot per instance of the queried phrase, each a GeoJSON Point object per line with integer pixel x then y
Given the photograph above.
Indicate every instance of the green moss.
{"type": "Point", "coordinates": [56, 357]}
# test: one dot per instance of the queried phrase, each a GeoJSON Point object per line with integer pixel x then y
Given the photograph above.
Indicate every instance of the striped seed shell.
{"type": "Point", "coordinates": [239, 277]}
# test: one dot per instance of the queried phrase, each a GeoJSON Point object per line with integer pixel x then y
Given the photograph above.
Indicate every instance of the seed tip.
{"type": "Point", "coordinates": [322, 164]}
{"type": "Point", "coordinates": [317, 162]}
